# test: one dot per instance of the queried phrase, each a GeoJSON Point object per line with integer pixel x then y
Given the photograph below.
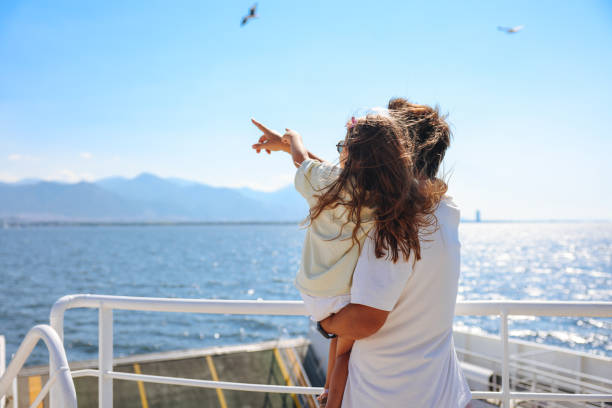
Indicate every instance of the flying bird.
{"type": "Point", "coordinates": [249, 16]}
{"type": "Point", "coordinates": [511, 30]}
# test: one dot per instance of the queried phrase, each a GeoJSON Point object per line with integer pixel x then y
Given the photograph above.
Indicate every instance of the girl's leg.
{"type": "Point", "coordinates": [333, 346]}
{"type": "Point", "coordinates": [339, 374]}
{"type": "Point", "coordinates": [331, 360]}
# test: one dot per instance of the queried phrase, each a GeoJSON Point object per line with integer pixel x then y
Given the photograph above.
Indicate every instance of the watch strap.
{"type": "Point", "coordinates": [324, 333]}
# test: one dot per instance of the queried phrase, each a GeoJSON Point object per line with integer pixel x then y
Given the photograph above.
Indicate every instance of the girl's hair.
{"type": "Point", "coordinates": [379, 174]}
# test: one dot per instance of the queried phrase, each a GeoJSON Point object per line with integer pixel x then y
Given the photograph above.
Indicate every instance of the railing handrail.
{"type": "Point", "coordinates": [60, 372]}
{"type": "Point", "coordinates": [296, 307]}
{"type": "Point", "coordinates": [106, 304]}
{"type": "Point", "coordinates": [178, 305]}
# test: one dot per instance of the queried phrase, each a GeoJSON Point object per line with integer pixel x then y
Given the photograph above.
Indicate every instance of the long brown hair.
{"type": "Point", "coordinates": [427, 130]}
{"type": "Point", "coordinates": [379, 174]}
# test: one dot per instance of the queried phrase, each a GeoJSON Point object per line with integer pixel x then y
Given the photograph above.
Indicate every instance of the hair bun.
{"type": "Point", "coordinates": [398, 104]}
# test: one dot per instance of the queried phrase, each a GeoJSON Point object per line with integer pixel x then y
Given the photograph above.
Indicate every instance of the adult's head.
{"type": "Point", "coordinates": [379, 175]}
{"type": "Point", "coordinates": [428, 132]}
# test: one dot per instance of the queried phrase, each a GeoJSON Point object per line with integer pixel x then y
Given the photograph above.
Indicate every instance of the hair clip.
{"type": "Point", "coordinates": [352, 123]}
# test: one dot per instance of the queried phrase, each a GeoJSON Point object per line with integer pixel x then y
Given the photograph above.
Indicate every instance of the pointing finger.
{"type": "Point", "coordinates": [260, 126]}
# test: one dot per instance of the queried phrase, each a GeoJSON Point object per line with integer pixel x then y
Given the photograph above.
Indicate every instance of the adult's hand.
{"type": "Point", "coordinates": [271, 140]}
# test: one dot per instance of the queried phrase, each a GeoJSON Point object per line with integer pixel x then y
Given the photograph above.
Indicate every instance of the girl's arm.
{"type": "Point", "coordinates": [298, 151]}
{"type": "Point", "coordinates": [272, 141]}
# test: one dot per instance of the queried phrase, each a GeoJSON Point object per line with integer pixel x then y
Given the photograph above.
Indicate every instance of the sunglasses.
{"type": "Point", "coordinates": [340, 146]}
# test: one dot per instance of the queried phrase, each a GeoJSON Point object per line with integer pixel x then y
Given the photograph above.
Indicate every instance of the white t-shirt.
{"type": "Point", "coordinates": [411, 360]}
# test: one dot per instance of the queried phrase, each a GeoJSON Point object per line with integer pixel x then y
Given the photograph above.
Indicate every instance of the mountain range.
{"type": "Point", "coordinates": [146, 198]}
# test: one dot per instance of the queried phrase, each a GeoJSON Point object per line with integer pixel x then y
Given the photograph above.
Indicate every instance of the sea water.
{"type": "Point", "coordinates": [38, 265]}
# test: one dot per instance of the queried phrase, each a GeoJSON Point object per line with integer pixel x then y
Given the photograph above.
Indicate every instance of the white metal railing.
{"type": "Point", "coordinates": [3, 366]}
{"type": "Point", "coordinates": [532, 370]}
{"type": "Point", "coordinates": [106, 305]}
{"type": "Point", "coordinates": [59, 372]}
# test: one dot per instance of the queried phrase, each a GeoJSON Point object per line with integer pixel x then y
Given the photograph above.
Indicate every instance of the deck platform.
{"type": "Point", "coordinates": [282, 362]}
{"type": "Point", "coordinates": [274, 362]}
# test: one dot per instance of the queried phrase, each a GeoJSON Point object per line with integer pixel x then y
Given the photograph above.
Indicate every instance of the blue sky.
{"type": "Point", "coordinates": [94, 89]}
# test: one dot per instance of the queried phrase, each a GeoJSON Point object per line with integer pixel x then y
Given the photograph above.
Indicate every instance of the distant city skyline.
{"type": "Point", "coordinates": [92, 90]}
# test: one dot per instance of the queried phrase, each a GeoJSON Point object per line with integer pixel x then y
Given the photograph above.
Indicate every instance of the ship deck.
{"type": "Point", "coordinates": [274, 362]}
{"type": "Point", "coordinates": [283, 362]}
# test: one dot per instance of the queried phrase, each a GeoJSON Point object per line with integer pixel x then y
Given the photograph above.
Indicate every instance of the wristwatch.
{"type": "Point", "coordinates": [324, 333]}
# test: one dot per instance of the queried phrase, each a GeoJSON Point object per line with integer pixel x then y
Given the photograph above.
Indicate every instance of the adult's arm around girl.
{"type": "Point", "coordinates": [355, 321]}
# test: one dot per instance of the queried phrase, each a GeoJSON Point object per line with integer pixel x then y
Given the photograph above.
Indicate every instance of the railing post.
{"type": "Point", "coordinates": [2, 364]}
{"type": "Point", "coordinates": [3, 400]}
{"type": "Point", "coordinates": [15, 395]}
{"type": "Point", "coordinates": [56, 320]}
{"type": "Point", "coordinates": [505, 360]}
{"type": "Point", "coordinates": [105, 356]}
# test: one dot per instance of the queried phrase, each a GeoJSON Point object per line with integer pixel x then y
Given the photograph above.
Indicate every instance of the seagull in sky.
{"type": "Point", "coordinates": [511, 30]}
{"type": "Point", "coordinates": [249, 16]}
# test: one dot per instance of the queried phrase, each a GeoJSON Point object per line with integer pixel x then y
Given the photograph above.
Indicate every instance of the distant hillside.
{"type": "Point", "coordinates": [49, 200]}
{"type": "Point", "coordinates": [146, 198]}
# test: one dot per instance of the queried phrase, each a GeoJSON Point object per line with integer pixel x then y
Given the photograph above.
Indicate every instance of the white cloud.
{"type": "Point", "coordinates": [86, 155]}
{"type": "Point", "coordinates": [21, 157]}
{"type": "Point", "coordinates": [8, 178]}
{"type": "Point", "coordinates": [68, 176]}
{"type": "Point", "coordinates": [272, 183]}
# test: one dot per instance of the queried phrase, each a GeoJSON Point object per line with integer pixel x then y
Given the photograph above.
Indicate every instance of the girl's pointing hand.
{"type": "Point", "coordinates": [270, 140]}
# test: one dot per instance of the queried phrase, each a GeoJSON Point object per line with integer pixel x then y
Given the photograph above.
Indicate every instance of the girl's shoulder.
{"type": "Point", "coordinates": [316, 175]}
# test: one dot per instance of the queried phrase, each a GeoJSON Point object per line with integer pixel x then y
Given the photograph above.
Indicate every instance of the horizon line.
{"type": "Point", "coordinates": [10, 222]}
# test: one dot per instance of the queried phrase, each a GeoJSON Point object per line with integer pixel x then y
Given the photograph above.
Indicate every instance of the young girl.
{"type": "Point", "coordinates": [373, 188]}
